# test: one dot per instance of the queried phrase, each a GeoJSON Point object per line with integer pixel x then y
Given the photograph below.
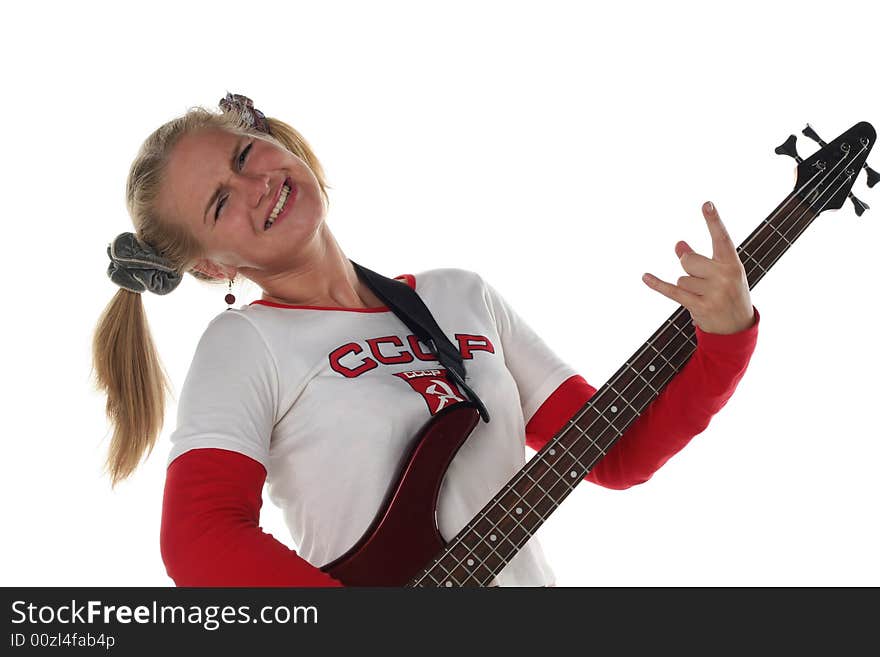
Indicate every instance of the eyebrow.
{"type": "Point", "coordinates": [219, 189]}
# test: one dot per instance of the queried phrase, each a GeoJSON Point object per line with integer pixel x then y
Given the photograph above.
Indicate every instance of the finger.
{"type": "Point", "coordinates": [697, 265]}
{"type": "Point", "coordinates": [685, 298]}
{"type": "Point", "coordinates": [681, 248]}
{"type": "Point", "coordinates": [698, 286]}
{"type": "Point", "coordinates": [723, 247]}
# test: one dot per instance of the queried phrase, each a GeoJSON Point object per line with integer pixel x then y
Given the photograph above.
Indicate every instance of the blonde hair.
{"type": "Point", "coordinates": [125, 363]}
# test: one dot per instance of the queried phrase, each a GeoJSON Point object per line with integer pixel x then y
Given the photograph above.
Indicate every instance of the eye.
{"type": "Point", "coordinates": [242, 156]}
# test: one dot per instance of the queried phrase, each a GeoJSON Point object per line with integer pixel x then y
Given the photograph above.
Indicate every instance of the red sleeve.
{"type": "Point", "coordinates": [681, 410]}
{"type": "Point", "coordinates": [210, 534]}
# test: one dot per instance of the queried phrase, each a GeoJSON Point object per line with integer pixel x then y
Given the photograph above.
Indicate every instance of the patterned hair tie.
{"type": "Point", "coordinates": [137, 266]}
{"type": "Point", "coordinates": [244, 106]}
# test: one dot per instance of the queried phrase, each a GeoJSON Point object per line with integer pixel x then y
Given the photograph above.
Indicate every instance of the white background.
{"type": "Point", "coordinates": [559, 149]}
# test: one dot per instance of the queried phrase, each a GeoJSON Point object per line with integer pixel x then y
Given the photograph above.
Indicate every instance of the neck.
{"type": "Point", "coordinates": [325, 278]}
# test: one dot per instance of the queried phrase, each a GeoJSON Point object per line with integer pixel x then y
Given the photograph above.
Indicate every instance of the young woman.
{"type": "Point", "coordinates": [314, 388]}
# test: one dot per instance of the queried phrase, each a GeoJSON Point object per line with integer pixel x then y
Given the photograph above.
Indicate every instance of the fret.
{"type": "Point", "coordinates": [470, 539]}
{"type": "Point", "coordinates": [519, 543]}
{"type": "Point", "coordinates": [683, 331]}
{"type": "Point", "coordinates": [593, 444]}
{"type": "Point", "coordinates": [575, 428]}
{"type": "Point", "coordinates": [648, 361]}
{"type": "Point", "coordinates": [565, 462]}
{"type": "Point", "coordinates": [773, 228]}
{"type": "Point", "coordinates": [572, 424]}
{"type": "Point", "coordinates": [496, 516]}
{"type": "Point", "coordinates": [639, 374]}
{"type": "Point", "coordinates": [433, 579]}
{"type": "Point", "coordinates": [504, 523]}
{"type": "Point", "coordinates": [500, 524]}
{"type": "Point", "coordinates": [546, 494]}
{"type": "Point", "coordinates": [545, 505]}
{"type": "Point", "coordinates": [522, 486]}
{"type": "Point", "coordinates": [617, 414]}
{"type": "Point", "coordinates": [620, 395]}
{"type": "Point", "coordinates": [592, 453]}
{"type": "Point", "coordinates": [496, 539]}
{"type": "Point", "coordinates": [474, 580]}
{"type": "Point", "coordinates": [752, 258]}
{"type": "Point", "coordinates": [642, 397]}
{"type": "Point", "coordinates": [537, 467]}
{"type": "Point", "coordinates": [445, 572]}
{"type": "Point", "coordinates": [477, 564]}
{"type": "Point", "coordinates": [589, 458]}
{"type": "Point", "coordinates": [608, 423]}
{"type": "Point", "coordinates": [485, 526]}
{"type": "Point", "coordinates": [559, 474]}
{"type": "Point", "coordinates": [763, 251]}
{"type": "Point", "coordinates": [661, 354]}
{"type": "Point", "coordinates": [563, 475]}
{"type": "Point", "coordinates": [566, 485]}
{"type": "Point", "coordinates": [671, 322]}
{"type": "Point", "coordinates": [488, 562]}
{"type": "Point", "coordinates": [448, 579]}
{"type": "Point", "coordinates": [515, 518]}
{"type": "Point", "coordinates": [491, 547]}
{"type": "Point", "coordinates": [516, 548]}
{"type": "Point", "coordinates": [460, 551]}
{"type": "Point", "coordinates": [550, 494]}
{"type": "Point", "coordinates": [531, 511]}
{"type": "Point", "coordinates": [466, 565]}
{"type": "Point", "coordinates": [465, 559]}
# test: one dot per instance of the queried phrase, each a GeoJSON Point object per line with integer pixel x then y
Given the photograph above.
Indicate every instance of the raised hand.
{"type": "Point", "coordinates": [717, 291]}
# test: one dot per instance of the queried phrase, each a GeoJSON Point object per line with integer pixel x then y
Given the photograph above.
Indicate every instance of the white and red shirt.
{"type": "Point", "coordinates": [323, 404]}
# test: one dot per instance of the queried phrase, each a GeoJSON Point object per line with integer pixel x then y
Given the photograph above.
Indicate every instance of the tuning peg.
{"type": "Point", "coordinates": [860, 205]}
{"type": "Point", "coordinates": [873, 176]}
{"type": "Point", "coordinates": [789, 147]}
{"type": "Point", "coordinates": [809, 132]}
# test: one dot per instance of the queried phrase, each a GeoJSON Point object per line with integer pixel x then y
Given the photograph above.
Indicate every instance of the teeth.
{"type": "Point", "coordinates": [282, 199]}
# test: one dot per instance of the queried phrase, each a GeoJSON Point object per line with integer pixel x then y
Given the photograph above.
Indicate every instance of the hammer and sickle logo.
{"type": "Point", "coordinates": [443, 392]}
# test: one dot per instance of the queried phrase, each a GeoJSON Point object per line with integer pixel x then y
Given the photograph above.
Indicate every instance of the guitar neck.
{"type": "Point", "coordinates": [487, 544]}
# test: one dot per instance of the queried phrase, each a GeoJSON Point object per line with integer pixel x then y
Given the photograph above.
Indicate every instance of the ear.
{"type": "Point", "coordinates": [214, 270]}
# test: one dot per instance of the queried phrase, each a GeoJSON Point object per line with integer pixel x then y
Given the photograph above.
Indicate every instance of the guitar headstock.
{"type": "Point", "coordinates": [825, 179]}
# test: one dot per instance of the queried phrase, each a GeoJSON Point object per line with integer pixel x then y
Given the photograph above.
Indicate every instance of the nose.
{"type": "Point", "coordinates": [253, 187]}
{"type": "Point", "coordinates": [261, 182]}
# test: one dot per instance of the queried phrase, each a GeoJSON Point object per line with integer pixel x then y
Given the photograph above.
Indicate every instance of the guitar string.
{"type": "Point", "coordinates": [471, 575]}
{"type": "Point", "coordinates": [583, 432]}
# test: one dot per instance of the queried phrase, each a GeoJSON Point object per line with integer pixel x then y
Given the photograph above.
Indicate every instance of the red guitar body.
{"type": "Point", "coordinates": [404, 537]}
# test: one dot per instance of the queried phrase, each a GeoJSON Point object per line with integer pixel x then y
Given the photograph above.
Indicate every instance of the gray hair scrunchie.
{"type": "Point", "coordinates": [137, 266]}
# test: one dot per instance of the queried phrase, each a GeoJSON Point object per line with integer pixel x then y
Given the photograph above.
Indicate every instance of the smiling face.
{"type": "Point", "coordinates": [224, 186]}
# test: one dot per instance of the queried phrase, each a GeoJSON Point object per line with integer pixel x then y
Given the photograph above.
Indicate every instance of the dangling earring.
{"type": "Point", "coordinates": [230, 298]}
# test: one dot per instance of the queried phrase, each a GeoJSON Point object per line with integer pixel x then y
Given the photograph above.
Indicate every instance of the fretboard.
{"type": "Point", "coordinates": [487, 544]}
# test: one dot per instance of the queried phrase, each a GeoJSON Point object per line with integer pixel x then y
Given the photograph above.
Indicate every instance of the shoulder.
{"type": "Point", "coordinates": [448, 277]}
{"type": "Point", "coordinates": [233, 356]}
{"type": "Point", "coordinates": [231, 320]}
{"type": "Point", "coordinates": [233, 327]}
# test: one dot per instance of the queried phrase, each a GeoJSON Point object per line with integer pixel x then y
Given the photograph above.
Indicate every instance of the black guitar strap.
{"type": "Point", "coordinates": [412, 311]}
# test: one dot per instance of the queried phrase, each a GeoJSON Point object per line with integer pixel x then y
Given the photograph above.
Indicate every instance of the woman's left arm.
{"type": "Point", "coordinates": [726, 326]}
